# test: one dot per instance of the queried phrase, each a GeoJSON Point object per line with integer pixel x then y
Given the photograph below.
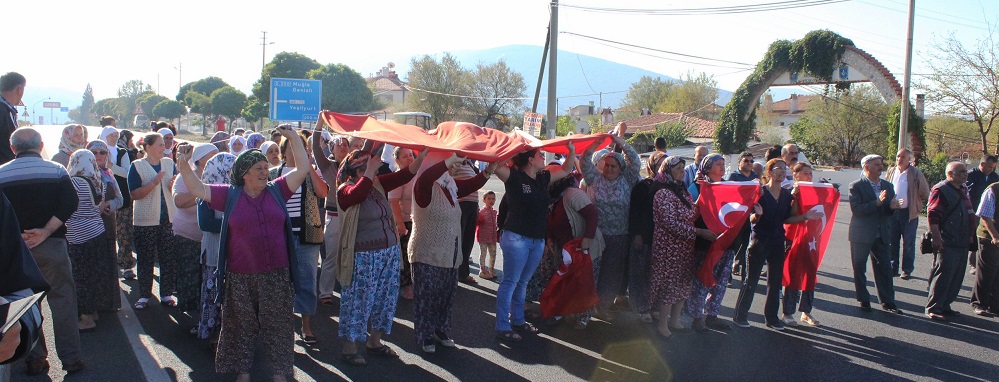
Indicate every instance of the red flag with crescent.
{"type": "Point", "coordinates": [724, 207]}
{"type": "Point", "coordinates": [809, 238]}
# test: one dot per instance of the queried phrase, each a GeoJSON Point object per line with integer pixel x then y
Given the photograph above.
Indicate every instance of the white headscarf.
{"type": "Point", "coordinates": [217, 169]}
{"type": "Point", "coordinates": [164, 132]}
{"type": "Point", "coordinates": [201, 150]}
{"type": "Point", "coordinates": [112, 146]}
{"type": "Point", "coordinates": [83, 163]}
{"type": "Point", "coordinates": [445, 180]}
{"type": "Point", "coordinates": [234, 139]}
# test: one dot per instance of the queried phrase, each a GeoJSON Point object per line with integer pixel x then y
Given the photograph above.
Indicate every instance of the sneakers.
{"type": "Point", "coordinates": [442, 339]}
{"type": "Point", "coordinates": [788, 319]}
{"type": "Point", "coordinates": [741, 322]}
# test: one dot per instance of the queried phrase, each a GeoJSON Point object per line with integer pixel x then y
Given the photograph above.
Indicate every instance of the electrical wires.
{"type": "Point", "coordinates": [606, 42]}
{"type": "Point", "coordinates": [735, 9]}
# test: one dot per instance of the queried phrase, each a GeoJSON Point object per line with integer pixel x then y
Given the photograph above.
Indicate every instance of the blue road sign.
{"type": "Point", "coordinates": [63, 109]}
{"type": "Point", "coordinates": [295, 99]}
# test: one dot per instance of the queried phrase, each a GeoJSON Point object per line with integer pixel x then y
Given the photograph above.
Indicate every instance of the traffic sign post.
{"type": "Point", "coordinates": [51, 105]}
{"type": "Point", "coordinates": [295, 99]}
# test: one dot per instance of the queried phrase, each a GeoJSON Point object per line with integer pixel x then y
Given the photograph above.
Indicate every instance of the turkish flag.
{"type": "Point", "coordinates": [462, 138]}
{"type": "Point", "coordinates": [810, 237]}
{"type": "Point", "coordinates": [724, 207]}
{"type": "Point", "coordinates": [571, 290]}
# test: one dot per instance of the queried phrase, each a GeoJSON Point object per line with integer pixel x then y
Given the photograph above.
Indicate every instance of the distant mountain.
{"type": "Point", "coordinates": [579, 75]}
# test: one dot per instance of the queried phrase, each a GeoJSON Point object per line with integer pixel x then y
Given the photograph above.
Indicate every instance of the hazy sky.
{"type": "Point", "coordinates": [60, 44]}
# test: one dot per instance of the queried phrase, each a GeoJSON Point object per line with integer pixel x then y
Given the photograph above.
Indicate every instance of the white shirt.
{"type": "Point", "coordinates": [901, 182]}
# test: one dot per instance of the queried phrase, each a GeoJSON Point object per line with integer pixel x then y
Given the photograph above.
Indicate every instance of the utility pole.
{"type": "Point", "coordinates": [552, 71]}
{"type": "Point", "coordinates": [180, 76]}
{"type": "Point", "coordinates": [264, 44]}
{"type": "Point", "coordinates": [903, 124]}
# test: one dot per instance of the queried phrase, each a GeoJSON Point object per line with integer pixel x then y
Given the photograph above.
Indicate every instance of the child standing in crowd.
{"type": "Point", "coordinates": [485, 234]}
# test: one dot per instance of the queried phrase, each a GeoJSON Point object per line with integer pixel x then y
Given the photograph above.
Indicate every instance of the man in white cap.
{"type": "Point", "coordinates": [872, 201]}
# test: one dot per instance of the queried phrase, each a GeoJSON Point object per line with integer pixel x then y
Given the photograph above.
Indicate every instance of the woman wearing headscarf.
{"type": "Point", "coordinates": [523, 239]}
{"type": "Point", "coordinates": [609, 187]}
{"type": "Point", "coordinates": [672, 245]}
{"type": "Point", "coordinates": [221, 141]}
{"type": "Point", "coordinates": [152, 211]}
{"type": "Point", "coordinates": [115, 200]}
{"type": "Point", "coordinates": [210, 221]}
{"type": "Point", "coordinates": [256, 260]}
{"type": "Point", "coordinates": [704, 301]}
{"type": "Point", "coordinates": [307, 226]}
{"type": "Point", "coordinates": [74, 137]}
{"type": "Point", "coordinates": [188, 234]}
{"type": "Point", "coordinates": [254, 140]}
{"type": "Point", "coordinates": [401, 200]}
{"type": "Point", "coordinates": [127, 152]}
{"type": "Point", "coordinates": [570, 215]}
{"type": "Point", "coordinates": [272, 152]}
{"type": "Point", "coordinates": [369, 257]}
{"type": "Point", "coordinates": [87, 244]}
{"type": "Point", "coordinates": [435, 246]}
{"type": "Point", "coordinates": [168, 139]}
{"type": "Point", "coordinates": [767, 244]}
{"type": "Point", "coordinates": [237, 145]}
{"type": "Point", "coordinates": [328, 167]}
{"type": "Point", "coordinates": [640, 227]}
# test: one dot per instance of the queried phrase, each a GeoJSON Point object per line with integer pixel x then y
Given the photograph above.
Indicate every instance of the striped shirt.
{"type": "Point", "coordinates": [86, 223]}
{"type": "Point", "coordinates": [294, 205]}
{"type": "Point", "coordinates": [986, 209]}
{"type": "Point", "coordinates": [39, 190]}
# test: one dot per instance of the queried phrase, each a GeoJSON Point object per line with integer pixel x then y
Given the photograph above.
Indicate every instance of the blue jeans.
{"type": "Point", "coordinates": [904, 228]}
{"type": "Point", "coordinates": [521, 256]}
{"type": "Point", "coordinates": [305, 284]}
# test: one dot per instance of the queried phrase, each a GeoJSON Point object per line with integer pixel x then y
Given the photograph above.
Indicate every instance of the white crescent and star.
{"type": "Point", "coordinates": [729, 208]}
{"type": "Point", "coordinates": [822, 210]}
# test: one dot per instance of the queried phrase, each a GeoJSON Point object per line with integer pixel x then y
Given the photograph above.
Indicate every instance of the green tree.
{"type": "Point", "coordinates": [949, 135]}
{"type": "Point", "coordinates": [434, 83]}
{"type": "Point", "coordinates": [229, 102]}
{"type": "Point", "coordinates": [498, 90]}
{"type": "Point", "coordinates": [169, 109]}
{"type": "Point", "coordinates": [198, 102]}
{"type": "Point", "coordinates": [86, 114]}
{"type": "Point", "coordinates": [344, 90]}
{"type": "Point", "coordinates": [963, 81]}
{"type": "Point", "coordinates": [148, 102]}
{"type": "Point", "coordinates": [284, 65]}
{"type": "Point", "coordinates": [133, 88]}
{"type": "Point", "coordinates": [204, 86]}
{"type": "Point", "coordinates": [675, 134]}
{"type": "Point", "coordinates": [254, 110]}
{"type": "Point", "coordinates": [844, 127]}
{"type": "Point", "coordinates": [107, 106]}
{"type": "Point", "coordinates": [647, 93]}
{"type": "Point", "coordinates": [565, 125]}
{"type": "Point", "coordinates": [690, 95]}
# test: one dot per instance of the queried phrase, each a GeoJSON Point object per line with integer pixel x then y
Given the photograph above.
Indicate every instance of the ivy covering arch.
{"type": "Point", "coordinates": [817, 54]}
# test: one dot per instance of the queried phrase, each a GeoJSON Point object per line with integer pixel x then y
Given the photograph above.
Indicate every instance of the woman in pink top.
{"type": "Point", "coordinates": [254, 274]}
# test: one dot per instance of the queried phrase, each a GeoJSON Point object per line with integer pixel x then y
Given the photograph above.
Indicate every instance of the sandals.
{"type": "Point", "coordinates": [508, 335]}
{"type": "Point", "coordinates": [354, 359]}
{"type": "Point", "coordinates": [309, 340]}
{"type": "Point", "coordinates": [383, 351]}
{"type": "Point", "coordinates": [328, 301]}
{"type": "Point", "coordinates": [141, 304]}
{"type": "Point", "coordinates": [169, 301]}
{"type": "Point", "coordinates": [526, 328]}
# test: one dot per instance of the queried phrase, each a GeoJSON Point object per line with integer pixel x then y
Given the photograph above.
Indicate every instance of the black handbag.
{"type": "Point", "coordinates": [926, 245]}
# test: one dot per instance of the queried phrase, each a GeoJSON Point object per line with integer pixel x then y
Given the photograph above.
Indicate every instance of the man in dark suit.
{"type": "Point", "coordinates": [872, 201]}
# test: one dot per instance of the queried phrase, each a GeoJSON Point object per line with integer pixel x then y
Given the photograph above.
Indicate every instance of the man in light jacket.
{"type": "Point", "coordinates": [912, 191]}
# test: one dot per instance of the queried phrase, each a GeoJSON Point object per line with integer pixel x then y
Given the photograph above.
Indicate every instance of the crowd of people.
{"type": "Point", "coordinates": [250, 230]}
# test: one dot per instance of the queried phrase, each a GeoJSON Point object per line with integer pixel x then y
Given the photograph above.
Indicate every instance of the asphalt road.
{"type": "Point", "coordinates": [850, 345]}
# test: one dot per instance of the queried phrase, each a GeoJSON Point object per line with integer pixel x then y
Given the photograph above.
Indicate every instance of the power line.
{"type": "Point", "coordinates": [749, 8]}
{"type": "Point", "coordinates": [655, 50]}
